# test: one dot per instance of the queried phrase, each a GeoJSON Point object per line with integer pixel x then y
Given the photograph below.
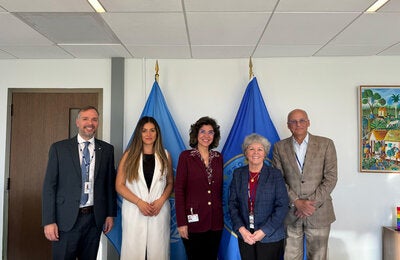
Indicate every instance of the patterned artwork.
{"type": "Point", "coordinates": [380, 129]}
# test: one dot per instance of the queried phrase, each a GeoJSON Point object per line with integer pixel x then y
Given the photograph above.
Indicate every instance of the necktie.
{"type": "Point", "coordinates": [85, 172]}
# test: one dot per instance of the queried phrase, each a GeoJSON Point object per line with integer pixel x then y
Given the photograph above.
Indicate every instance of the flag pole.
{"type": "Point", "coordinates": [251, 74]}
{"type": "Point", "coordinates": [156, 76]}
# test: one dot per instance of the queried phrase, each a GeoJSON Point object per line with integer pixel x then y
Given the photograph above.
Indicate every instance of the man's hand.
{"type": "Point", "coordinates": [108, 225]}
{"type": "Point", "coordinates": [305, 208]}
{"type": "Point", "coordinates": [51, 232]}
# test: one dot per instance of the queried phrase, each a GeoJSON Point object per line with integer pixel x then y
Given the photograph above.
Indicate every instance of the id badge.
{"type": "Point", "coordinates": [193, 218]}
{"type": "Point", "coordinates": [251, 220]}
{"type": "Point", "coordinates": [88, 187]}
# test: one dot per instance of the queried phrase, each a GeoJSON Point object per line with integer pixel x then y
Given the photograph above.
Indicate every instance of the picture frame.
{"type": "Point", "coordinates": [379, 126]}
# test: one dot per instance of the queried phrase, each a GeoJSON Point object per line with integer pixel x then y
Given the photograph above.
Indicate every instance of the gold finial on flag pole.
{"type": "Point", "coordinates": [251, 74]}
{"type": "Point", "coordinates": [156, 76]}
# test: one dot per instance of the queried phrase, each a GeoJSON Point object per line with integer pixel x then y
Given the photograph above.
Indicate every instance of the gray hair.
{"type": "Point", "coordinates": [256, 138]}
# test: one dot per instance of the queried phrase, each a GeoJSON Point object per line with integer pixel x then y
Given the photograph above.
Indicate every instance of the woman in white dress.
{"type": "Point", "coordinates": [145, 181]}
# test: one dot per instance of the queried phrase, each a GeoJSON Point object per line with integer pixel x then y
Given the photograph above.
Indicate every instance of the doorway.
{"type": "Point", "coordinates": [38, 119]}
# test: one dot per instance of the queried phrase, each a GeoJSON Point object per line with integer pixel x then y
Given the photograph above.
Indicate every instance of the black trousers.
{"type": "Point", "coordinates": [81, 242]}
{"type": "Point", "coordinates": [202, 246]}
{"type": "Point", "coordinates": [261, 251]}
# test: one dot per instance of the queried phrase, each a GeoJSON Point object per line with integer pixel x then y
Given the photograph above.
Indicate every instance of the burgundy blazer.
{"type": "Point", "coordinates": [194, 194]}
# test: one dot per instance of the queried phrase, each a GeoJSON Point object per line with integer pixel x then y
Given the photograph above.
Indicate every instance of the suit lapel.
{"type": "Point", "coordinates": [244, 176]}
{"type": "Point", "coordinates": [98, 150]}
{"type": "Point", "coordinates": [73, 147]}
{"type": "Point", "coordinates": [292, 155]}
{"type": "Point", "coordinates": [311, 153]}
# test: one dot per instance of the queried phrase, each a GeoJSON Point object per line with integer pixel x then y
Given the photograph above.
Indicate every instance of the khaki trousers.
{"type": "Point", "coordinates": [316, 242]}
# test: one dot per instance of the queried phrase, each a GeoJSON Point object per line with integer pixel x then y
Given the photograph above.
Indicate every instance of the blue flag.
{"type": "Point", "coordinates": [157, 107]}
{"type": "Point", "coordinates": [252, 117]}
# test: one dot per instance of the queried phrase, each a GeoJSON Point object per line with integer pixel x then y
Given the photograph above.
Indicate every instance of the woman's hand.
{"type": "Point", "coordinates": [156, 206]}
{"type": "Point", "coordinates": [183, 232]}
{"type": "Point", "coordinates": [258, 235]}
{"type": "Point", "coordinates": [144, 207]}
{"type": "Point", "coordinates": [247, 236]}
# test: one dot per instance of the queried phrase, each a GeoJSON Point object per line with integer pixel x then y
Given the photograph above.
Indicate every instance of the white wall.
{"type": "Point", "coordinates": [326, 87]}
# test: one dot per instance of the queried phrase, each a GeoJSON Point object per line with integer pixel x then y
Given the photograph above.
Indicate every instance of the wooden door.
{"type": "Point", "coordinates": [38, 120]}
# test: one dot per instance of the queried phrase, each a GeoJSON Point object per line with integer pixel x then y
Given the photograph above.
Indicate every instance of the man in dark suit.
{"type": "Point", "coordinates": [78, 204]}
{"type": "Point", "coordinates": [309, 167]}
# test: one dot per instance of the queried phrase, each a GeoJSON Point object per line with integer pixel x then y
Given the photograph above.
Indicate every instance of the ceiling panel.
{"type": "Point", "coordinates": [160, 52]}
{"type": "Point", "coordinates": [226, 28]}
{"type": "Point", "coordinates": [221, 52]}
{"type": "Point", "coordinates": [14, 32]}
{"type": "Point", "coordinates": [74, 28]}
{"type": "Point", "coordinates": [230, 5]}
{"type": "Point", "coordinates": [148, 28]}
{"type": "Point", "coordinates": [369, 29]}
{"type": "Point", "coordinates": [89, 51]}
{"type": "Point", "coordinates": [349, 50]}
{"type": "Point", "coordinates": [324, 5]}
{"type": "Point", "coordinates": [6, 55]}
{"type": "Point", "coordinates": [125, 6]}
{"type": "Point", "coordinates": [37, 52]}
{"type": "Point", "coordinates": [305, 28]}
{"type": "Point", "coordinates": [393, 50]}
{"type": "Point", "coordinates": [282, 50]}
{"type": "Point", "coordinates": [197, 29]}
{"type": "Point", "coordinates": [46, 6]}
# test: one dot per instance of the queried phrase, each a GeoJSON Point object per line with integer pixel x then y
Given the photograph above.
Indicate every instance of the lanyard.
{"type": "Point", "coordinates": [251, 191]}
{"type": "Point", "coordinates": [298, 162]}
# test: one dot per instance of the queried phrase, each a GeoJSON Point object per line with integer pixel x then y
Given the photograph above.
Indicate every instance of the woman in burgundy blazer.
{"type": "Point", "coordinates": [198, 192]}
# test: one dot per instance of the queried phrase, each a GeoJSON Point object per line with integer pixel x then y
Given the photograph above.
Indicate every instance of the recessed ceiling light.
{"type": "Point", "coordinates": [378, 4]}
{"type": "Point", "coordinates": [97, 6]}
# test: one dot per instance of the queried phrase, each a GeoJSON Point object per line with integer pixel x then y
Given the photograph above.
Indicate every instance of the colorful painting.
{"type": "Point", "coordinates": [380, 129]}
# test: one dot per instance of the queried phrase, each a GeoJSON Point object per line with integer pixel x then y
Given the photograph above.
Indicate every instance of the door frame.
{"type": "Point", "coordinates": [10, 93]}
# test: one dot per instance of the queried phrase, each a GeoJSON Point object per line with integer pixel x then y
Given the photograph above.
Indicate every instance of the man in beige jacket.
{"type": "Point", "coordinates": [309, 167]}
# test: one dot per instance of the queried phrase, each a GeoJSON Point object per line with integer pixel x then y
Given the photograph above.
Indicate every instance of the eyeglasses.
{"type": "Point", "coordinates": [301, 122]}
{"type": "Point", "coordinates": [203, 132]}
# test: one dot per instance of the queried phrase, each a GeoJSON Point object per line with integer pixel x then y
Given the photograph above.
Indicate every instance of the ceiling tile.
{"type": "Point", "coordinates": [226, 28]}
{"type": "Point", "coordinates": [349, 50]}
{"type": "Point", "coordinates": [391, 6]}
{"type": "Point", "coordinates": [46, 6]}
{"type": "Point", "coordinates": [221, 52]}
{"type": "Point", "coordinates": [372, 29]}
{"type": "Point", "coordinates": [304, 28]}
{"type": "Point", "coordinates": [394, 50]}
{"type": "Point", "coordinates": [323, 5]}
{"type": "Point", "coordinates": [97, 51]}
{"type": "Point", "coordinates": [14, 32]}
{"type": "Point", "coordinates": [160, 52]}
{"type": "Point", "coordinates": [148, 28]}
{"type": "Point", "coordinates": [37, 52]}
{"type": "Point", "coordinates": [124, 6]}
{"type": "Point", "coordinates": [71, 27]}
{"type": "Point", "coordinates": [263, 51]}
{"type": "Point", "coordinates": [230, 5]}
{"type": "Point", "coordinates": [6, 55]}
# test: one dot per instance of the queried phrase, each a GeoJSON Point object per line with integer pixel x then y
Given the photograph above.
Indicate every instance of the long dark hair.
{"type": "Point", "coordinates": [135, 149]}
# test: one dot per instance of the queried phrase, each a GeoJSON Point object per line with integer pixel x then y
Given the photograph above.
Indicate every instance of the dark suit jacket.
{"type": "Point", "coordinates": [62, 184]}
{"type": "Point", "coordinates": [271, 203]}
{"type": "Point", "coordinates": [192, 191]}
{"type": "Point", "coordinates": [317, 181]}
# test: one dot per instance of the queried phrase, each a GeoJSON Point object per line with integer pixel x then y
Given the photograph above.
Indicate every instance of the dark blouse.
{"type": "Point", "coordinates": [148, 168]}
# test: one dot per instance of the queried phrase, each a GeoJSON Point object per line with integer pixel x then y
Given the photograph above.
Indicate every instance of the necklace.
{"type": "Point", "coordinates": [254, 177]}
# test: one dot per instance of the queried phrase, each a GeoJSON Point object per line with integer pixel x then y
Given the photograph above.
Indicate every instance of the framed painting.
{"type": "Point", "coordinates": [379, 129]}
